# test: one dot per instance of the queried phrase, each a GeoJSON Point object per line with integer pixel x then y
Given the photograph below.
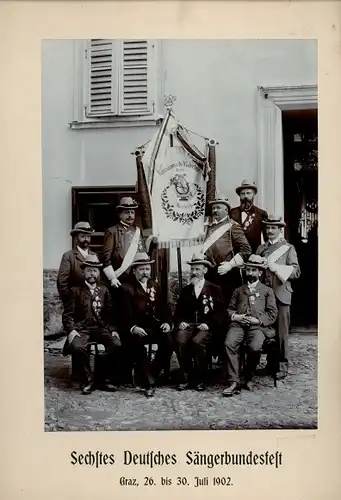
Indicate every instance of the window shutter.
{"type": "Point", "coordinates": [136, 93]}
{"type": "Point", "coordinates": [103, 91]}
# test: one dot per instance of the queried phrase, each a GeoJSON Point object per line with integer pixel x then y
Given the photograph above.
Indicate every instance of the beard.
{"type": "Point", "coordinates": [144, 279]}
{"type": "Point", "coordinates": [246, 204]}
{"type": "Point", "coordinates": [194, 280]}
{"type": "Point", "coordinates": [251, 279]}
{"type": "Point", "coordinates": [91, 280]}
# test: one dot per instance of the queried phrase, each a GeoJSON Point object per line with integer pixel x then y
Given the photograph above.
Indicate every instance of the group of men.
{"type": "Point", "coordinates": [239, 294]}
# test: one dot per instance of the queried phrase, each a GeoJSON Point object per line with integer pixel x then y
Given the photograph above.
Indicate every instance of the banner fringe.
{"type": "Point", "coordinates": [181, 243]}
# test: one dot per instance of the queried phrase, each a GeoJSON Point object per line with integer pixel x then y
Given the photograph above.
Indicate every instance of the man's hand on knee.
{"type": "Point", "coordinates": [165, 327]}
{"type": "Point", "coordinates": [203, 327]}
{"type": "Point", "coordinates": [72, 335]}
{"type": "Point", "coordinates": [115, 335]}
{"type": "Point", "coordinates": [141, 332]}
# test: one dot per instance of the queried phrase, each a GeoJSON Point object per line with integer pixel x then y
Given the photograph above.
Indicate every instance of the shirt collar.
{"type": "Point", "coordinates": [83, 252]}
{"type": "Point", "coordinates": [200, 283]}
{"type": "Point", "coordinates": [91, 287]}
{"type": "Point", "coordinates": [253, 285]}
{"type": "Point", "coordinates": [276, 240]}
{"type": "Point", "coordinates": [214, 223]}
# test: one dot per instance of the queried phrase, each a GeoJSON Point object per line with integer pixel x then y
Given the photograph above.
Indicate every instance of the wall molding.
{"type": "Point", "coordinates": [271, 101]}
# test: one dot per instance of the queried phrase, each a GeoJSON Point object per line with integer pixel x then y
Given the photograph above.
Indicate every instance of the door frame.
{"type": "Point", "coordinates": [271, 102]}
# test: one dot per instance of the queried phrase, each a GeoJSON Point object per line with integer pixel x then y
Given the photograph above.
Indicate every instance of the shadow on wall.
{"type": "Point", "coordinates": [53, 308]}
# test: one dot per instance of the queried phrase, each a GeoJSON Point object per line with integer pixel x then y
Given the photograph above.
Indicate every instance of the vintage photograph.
{"type": "Point", "coordinates": [180, 234]}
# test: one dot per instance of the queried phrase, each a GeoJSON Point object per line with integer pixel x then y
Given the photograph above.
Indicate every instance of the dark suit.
{"type": "Point", "coordinates": [70, 274]}
{"type": "Point", "coordinates": [253, 226]}
{"type": "Point", "coordinates": [192, 343]}
{"type": "Point", "coordinates": [224, 249]}
{"type": "Point", "coordinates": [283, 292]}
{"type": "Point", "coordinates": [146, 310]}
{"type": "Point", "coordinates": [93, 323]}
{"type": "Point", "coordinates": [260, 304]}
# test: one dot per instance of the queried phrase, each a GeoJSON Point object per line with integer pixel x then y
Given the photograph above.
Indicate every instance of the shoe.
{"type": "Point", "coordinates": [281, 375]}
{"type": "Point", "coordinates": [231, 390]}
{"type": "Point", "coordinates": [248, 385]}
{"type": "Point", "coordinates": [149, 393]}
{"type": "Point", "coordinates": [262, 372]}
{"type": "Point", "coordinates": [184, 387]}
{"type": "Point", "coordinates": [88, 389]}
{"type": "Point", "coordinates": [201, 387]}
{"type": "Point", "coordinates": [107, 387]}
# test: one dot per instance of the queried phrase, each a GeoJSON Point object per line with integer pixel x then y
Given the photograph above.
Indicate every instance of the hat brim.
{"type": "Point", "coordinates": [141, 263]}
{"type": "Point", "coordinates": [220, 202]}
{"type": "Point", "coordinates": [247, 186]}
{"type": "Point", "coordinates": [73, 232]}
{"type": "Point", "coordinates": [252, 264]}
{"type": "Point", "coordinates": [89, 264]}
{"type": "Point", "coordinates": [127, 207]}
{"type": "Point", "coordinates": [206, 263]}
{"type": "Point", "coordinates": [279, 224]}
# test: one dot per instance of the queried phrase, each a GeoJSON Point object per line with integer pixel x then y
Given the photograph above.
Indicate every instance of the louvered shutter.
{"type": "Point", "coordinates": [136, 89]}
{"type": "Point", "coordinates": [103, 78]}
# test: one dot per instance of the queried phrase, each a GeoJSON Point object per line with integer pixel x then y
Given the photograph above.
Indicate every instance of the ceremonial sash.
{"type": "Point", "coordinates": [129, 256]}
{"type": "Point", "coordinates": [274, 256]}
{"type": "Point", "coordinates": [215, 236]}
{"type": "Point", "coordinates": [283, 272]}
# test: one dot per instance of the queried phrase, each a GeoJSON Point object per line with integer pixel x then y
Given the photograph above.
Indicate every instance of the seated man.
{"type": "Point", "coordinates": [199, 312]}
{"type": "Point", "coordinates": [252, 311]}
{"type": "Point", "coordinates": [146, 320]}
{"type": "Point", "coordinates": [87, 318]}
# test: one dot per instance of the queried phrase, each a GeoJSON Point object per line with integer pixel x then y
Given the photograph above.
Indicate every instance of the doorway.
{"type": "Point", "coordinates": [300, 147]}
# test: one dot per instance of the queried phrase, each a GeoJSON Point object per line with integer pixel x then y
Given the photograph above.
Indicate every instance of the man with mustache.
{"type": "Point", "coordinates": [121, 242]}
{"type": "Point", "coordinates": [88, 318]}
{"type": "Point", "coordinates": [199, 314]}
{"type": "Point", "coordinates": [252, 312]}
{"type": "Point", "coordinates": [70, 273]}
{"type": "Point", "coordinates": [145, 319]}
{"type": "Point", "coordinates": [281, 267]}
{"type": "Point", "coordinates": [248, 215]}
{"type": "Point", "coordinates": [226, 247]}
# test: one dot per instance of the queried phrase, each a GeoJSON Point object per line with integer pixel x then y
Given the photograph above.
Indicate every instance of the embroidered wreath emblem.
{"type": "Point", "coordinates": [184, 218]}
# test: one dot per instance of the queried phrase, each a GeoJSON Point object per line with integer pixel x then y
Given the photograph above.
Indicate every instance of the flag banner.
{"type": "Point", "coordinates": [176, 175]}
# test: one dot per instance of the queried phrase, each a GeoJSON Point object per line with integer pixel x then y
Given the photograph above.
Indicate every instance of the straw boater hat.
{"type": "Point", "coordinates": [274, 221]}
{"type": "Point", "coordinates": [199, 258]}
{"type": "Point", "coordinates": [82, 227]}
{"type": "Point", "coordinates": [246, 185]}
{"type": "Point", "coordinates": [127, 202]}
{"type": "Point", "coordinates": [221, 200]}
{"type": "Point", "coordinates": [91, 261]}
{"type": "Point", "coordinates": [254, 261]}
{"type": "Point", "coordinates": [140, 259]}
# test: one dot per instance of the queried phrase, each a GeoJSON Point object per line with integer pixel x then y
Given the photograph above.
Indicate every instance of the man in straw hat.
{"type": "Point", "coordinates": [248, 215]}
{"type": "Point", "coordinates": [145, 319]}
{"type": "Point", "coordinates": [70, 273]}
{"type": "Point", "coordinates": [226, 247]}
{"type": "Point", "coordinates": [198, 315]}
{"type": "Point", "coordinates": [281, 267]}
{"type": "Point", "coordinates": [252, 312]}
{"type": "Point", "coordinates": [87, 318]}
{"type": "Point", "coordinates": [121, 243]}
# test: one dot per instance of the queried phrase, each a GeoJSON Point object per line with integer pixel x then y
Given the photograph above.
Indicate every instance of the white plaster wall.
{"type": "Point", "coordinates": [215, 83]}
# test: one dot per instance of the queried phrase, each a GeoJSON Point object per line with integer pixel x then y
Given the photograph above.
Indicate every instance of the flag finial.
{"type": "Point", "coordinates": [169, 100]}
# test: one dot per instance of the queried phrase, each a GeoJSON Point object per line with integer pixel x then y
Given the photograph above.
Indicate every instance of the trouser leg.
{"type": "Point", "coordinates": [183, 348]}
{"type": "Point", "coordinates": [283, 325]}
{"type": "Point", "coordinates": [111, 360]}
{"type": "Point", "coordinates": [163, 354]}
{"type": "Point", "coordinates": [80, 358]}
{"type": "Point", "coordinates": [254, 340]}
{"type": "Point", "coordinates": [200, 343]}
{"type": "Point", "coordinates": [234, 339]}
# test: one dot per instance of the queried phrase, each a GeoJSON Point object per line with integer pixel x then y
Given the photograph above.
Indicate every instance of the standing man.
{"type": "Point", "coordinates": [88, 318]}
{"type": "Point", "coordinates": [121, 243]}
{"type": "Point", "coordinates": [252, 312]}
{"type": "Point", "coordinates": [145, 319]}
{"type": "Point", "coordinates": [226, 247]}
{"type": "Point", "coordinates": [70, 273]}
{"type": "Point", "coordinates": [281, 267]}
{"type": "Point", "coordinates": [249, 216]}
{"type": "Point", "coordinates": [199, 313]}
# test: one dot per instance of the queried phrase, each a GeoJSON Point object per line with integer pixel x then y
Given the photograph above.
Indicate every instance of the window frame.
{"type": "Point", "coordinates": [81, 91]}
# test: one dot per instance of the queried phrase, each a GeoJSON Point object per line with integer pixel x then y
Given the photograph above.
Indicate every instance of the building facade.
{"type": "Point", "coordinates": [102, 99]}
